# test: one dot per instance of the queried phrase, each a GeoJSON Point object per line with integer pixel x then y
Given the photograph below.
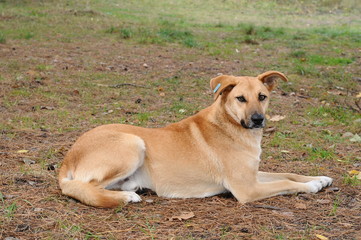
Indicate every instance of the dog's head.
{"type": "Point", "coordinates": [245, 99]}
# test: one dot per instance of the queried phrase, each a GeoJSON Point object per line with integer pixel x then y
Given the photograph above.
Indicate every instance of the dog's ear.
{"type": "Point", "coordinates": [269, 78]}
{"type": "Point", "coordinates": [222, 84]}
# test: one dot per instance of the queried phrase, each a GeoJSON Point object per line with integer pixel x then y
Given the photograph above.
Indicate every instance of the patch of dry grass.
{"type": "Point", "coordinates": [57, 68]}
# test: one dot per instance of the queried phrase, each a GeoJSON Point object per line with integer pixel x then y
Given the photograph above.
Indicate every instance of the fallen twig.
{"type": "Point", "coordinates": [267, 207]}
{"type": "Point", "coordinates": [119, 85]}
{"type": "Point", "coordinates": [358, 104]}
{"type": "Point", "coordinates": [127, 84]}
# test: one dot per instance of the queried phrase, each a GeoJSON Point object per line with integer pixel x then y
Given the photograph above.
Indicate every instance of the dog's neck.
{"type": "Point", "coordinates": [238, 135]}
{"type": "Point", "coordinates": [218, 116]}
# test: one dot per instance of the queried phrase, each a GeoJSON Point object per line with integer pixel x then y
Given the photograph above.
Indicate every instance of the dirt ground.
{"type": "Point", "coordinates": [32, 204]}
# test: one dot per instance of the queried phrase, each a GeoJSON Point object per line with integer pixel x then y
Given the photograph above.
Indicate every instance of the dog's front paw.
{"type": "Point", "coordinates": [320, 182]}
{"type": "Point", "coordinates": [325, 181]}
{"type": "Point", "coordinates": [132, 196]}
{"type": "Point", "coordinates": [314, 186]}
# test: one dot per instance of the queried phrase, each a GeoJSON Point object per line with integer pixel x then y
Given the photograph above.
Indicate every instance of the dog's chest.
{"type": "Point", "coordinates": [251, 142]}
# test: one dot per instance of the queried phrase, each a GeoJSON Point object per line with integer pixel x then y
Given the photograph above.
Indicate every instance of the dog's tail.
{"type": "Point", "coordinates": [91, 194]}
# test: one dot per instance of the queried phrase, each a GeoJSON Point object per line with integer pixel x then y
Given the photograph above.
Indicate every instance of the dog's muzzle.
{"type": "Point", "coordinates": [257, 121]}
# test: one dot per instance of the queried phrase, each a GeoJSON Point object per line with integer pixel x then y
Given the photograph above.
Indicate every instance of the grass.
{"type": "Point", "coordinates": [10, 210]}
{"type": "Point", "coordinates": [126, 33]}
{"type": "Point", "coordinates": [335, 206]}
{"type": "Point", "coordinates": [321, 154]}
{"type": "Point", "coordinates": [2, 38]}
{"type": "Point", "coordinates": [329, 61]}
{"type": "Point", "coordinates": [59, 59]}
{"type": "Point", "coordinates": [148, 230]}
{"type": "Point", "coordinates": [351, 180]}
{"type": "Point", "coordinates": [330, 115]}
{"type": "Point", "coordinates": [26, 35]}
{"type": "Point", "coordinates": [43, 67]}
{"type": "Point", "coordinates": [165, 33]}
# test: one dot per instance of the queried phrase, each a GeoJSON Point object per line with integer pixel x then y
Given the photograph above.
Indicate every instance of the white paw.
{"type": "Point", "coordinates": [132, 197]}
{"type": "Point", "coordinates": [314, 186]}
{"type": "Point", "coordinates": [326, 181]}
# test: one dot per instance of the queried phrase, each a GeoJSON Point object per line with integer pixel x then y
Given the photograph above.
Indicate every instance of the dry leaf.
{"type": "Point", "coordinates": [355, 138]}
{"type": "Point", "coordinates": [358, 95]}
{"type": "Point", "coordinates": [323, 201]}
{"type": "Point", "coordinates": [321, 237]}
{"type": "Point", "coordinates": [183, 216]}
{"type": "Point", "coordinates": [285, 214]}
{"type": "Point", "coordinates": [300, 206]}
{"type": "Point", "coordinates": [347, 135]}
{"type": "Point", "coordinates": [285, 151]}
{"type": "Point", "coordinates": [28, 161]}
{"type": "Point", "coordinates": [32, 73]}
{"type": "Point", "coordinates": [47, 108]}
{"type": "Point", "coordinates": [353, 172]}
{"type": "Point", "coordinates": [336, 92]}
{"type": "Point", "coordinates": [277, 118]}
{"type": "Point", "coordinates": [348, 225]}
{"type": "Point", "coordinates": [23, 151]}
{"type": "Point", "coordinates": [270, 130]}
{"type": "Point", "coordinates": [333, 189]}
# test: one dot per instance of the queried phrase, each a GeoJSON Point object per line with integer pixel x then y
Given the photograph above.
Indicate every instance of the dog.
{"type": "Point", "coordinates": [214, 151]}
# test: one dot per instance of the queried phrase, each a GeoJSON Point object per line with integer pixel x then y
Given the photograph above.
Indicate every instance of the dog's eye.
{"type": "Point", "coordinates": [262, 97]}
{"type": "Point", "coordinates": [241, 99]}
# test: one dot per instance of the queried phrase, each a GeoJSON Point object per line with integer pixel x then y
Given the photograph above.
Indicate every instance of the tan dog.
{"type": "Point", "coordinates": [214, 151]}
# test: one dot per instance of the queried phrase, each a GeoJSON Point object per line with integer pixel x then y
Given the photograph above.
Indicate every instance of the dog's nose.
{"type": "Point", "coordinates": [257, 119]}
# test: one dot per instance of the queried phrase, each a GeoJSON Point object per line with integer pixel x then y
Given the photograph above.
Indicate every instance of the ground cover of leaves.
{"type": "Point", "coordinates": [52, 91]}
{"type": "Point", "coordinates": [33, 207]}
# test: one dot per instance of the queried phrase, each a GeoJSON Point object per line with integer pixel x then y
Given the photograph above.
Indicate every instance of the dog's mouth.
{"type": "Point", "coordinates": [252, 125]}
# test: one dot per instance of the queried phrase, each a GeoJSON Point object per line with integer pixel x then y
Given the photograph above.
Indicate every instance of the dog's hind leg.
{"type": "Point", "coordinates": [93, 195]}
{"type": "Point", "coordinates": [98, 160]}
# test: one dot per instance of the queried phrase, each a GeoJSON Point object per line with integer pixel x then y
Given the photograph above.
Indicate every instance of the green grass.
{"type": "Point", "coordinates": [320, 59]}
{"type": "Point", "coordinates": [191, 28]}
{"type": "Point", "coordinates": [2, 38]}
{"type": "Point", "coordinates": [72, 230]}
{"type": "Point", "coordinates": [148, 230]}
{"type": "Point", "coordinates": [320, 154]}
{"type": "Point", "coordinates": [2, 198]}
{"type": "Point", "coordinates": [305, 69]}
{"type": "Point", "coordinates": [26, 35]}
{"type": "Point", "coordinates": [143, 117]}
{"type": "Point", "coordinates": [162, 34]}
{"type": "Point", "coordinates": [332, 115]}
{"type": "Point", "coordinates": [351, 180]}
{"type": "Point", "coordinates": [125, 33]}
{"type": "Point", "coordinates": [335, 206]}
{"type": "Point", "coordinates": [21, 92]}
{"type": "Point", "coordinates": [43, 67]}
{"type": "Point", "coordinates": [92, 236]}
{"type": "Point", "coordinates": [243, 31]}
{"type": "Point", "coordinates": [10, 209]}
{"type": "Point", "coordinates": [298, 54]}
{"type": "Point", "coordinates": [338, 33]}
{"type": "Point", "coordinates": [330, 61]}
